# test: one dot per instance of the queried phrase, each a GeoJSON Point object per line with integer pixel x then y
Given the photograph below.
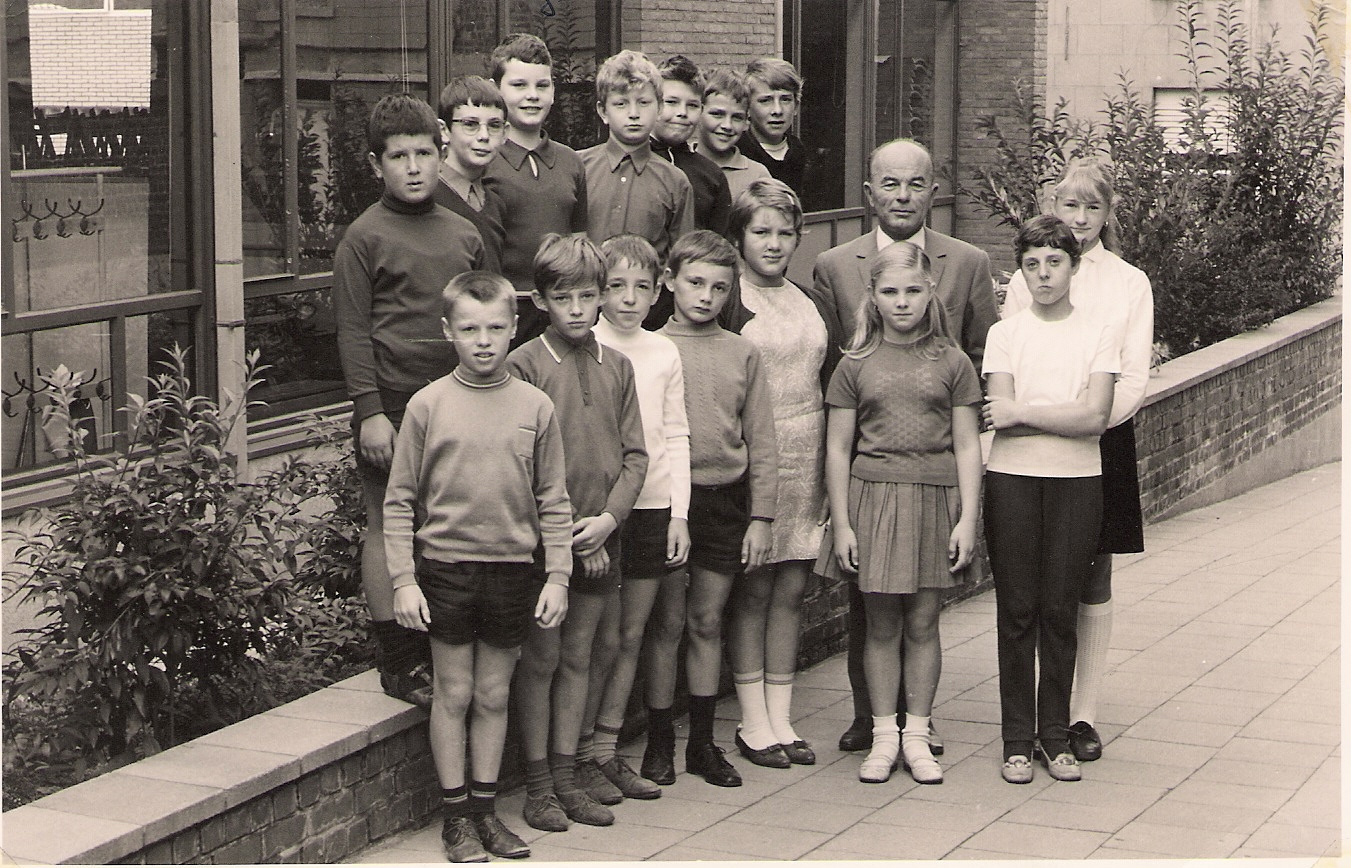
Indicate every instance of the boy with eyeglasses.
{"type": "Point", "coordinates": [474, 123]}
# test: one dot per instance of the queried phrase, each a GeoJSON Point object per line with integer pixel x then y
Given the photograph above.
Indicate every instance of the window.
{"type": "Point", "coordinates": [1171, 114]}
{"type": "Point", "coordinates": [104, 251]}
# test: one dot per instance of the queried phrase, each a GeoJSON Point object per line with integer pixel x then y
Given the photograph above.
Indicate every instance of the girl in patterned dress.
{"type": "Point", "coordinates": [903, 511]}
{"type": "Point", "coordinates": [781, 320]}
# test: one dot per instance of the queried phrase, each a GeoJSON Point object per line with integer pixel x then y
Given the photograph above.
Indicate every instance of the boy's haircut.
{"type": "Point", "coordinates": [400, 114]}
{"type": "Point", "coordinates": [636, 250]}
{"type": "Point", "coordinates": [625, 71]}
{"type": "Point", "coordinates": [868, 321]}
{"type": "Point", "coordinates": [727, 82]}
{"type": "Point", "coordinates": [704, 245]}
{"type": "Point", "coordinates": [775, 74]}
{"type": "Point", "coordinates": [1046, 231]}
{"type": "Point", "coordinates": [484, 287]}
{"type": "Point", "coordinates": [568, 260]}
{"type": "Point", "coordinates": [768, 193]}
{"type": "Point", "coordinates": [680, 68]}
{"type": "Point", "coordinates": [525, 47]}
{"type": "Point", "coordinates": [468, 90]}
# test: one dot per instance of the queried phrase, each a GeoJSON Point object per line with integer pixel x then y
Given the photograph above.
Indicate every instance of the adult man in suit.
{"type": "Point", "coordinates": [900, 188]}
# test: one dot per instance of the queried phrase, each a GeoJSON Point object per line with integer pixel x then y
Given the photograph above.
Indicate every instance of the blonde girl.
{"type": "Point", "coordinates": [904, 510]}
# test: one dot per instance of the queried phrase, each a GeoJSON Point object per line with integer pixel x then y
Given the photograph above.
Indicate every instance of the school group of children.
{"type": "Point", "coordinates": [590, 411]}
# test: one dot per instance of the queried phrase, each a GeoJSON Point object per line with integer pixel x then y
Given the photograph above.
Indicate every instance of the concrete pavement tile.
{"type": "Point", "coordinates": [393, 856]}
{"type": "Point", "coordinates": [1200, 712]}
{"type": "Point", "coordinates": [1157, 727]}
{"type": "Point", "coordinates": [965, 709]}
{"type": "Point", "coordinates": [672, 812]}
{"type": "Point", "coordinates": [828, 852]}
{"type": "Point", "coordinates": [923, 814]}
{"type": "Point", "coordinates": [621, 841]}
{"type": "Point", "coordinates": [1297, 839]}
{"type": "Point", "coordinates": [845, 790]}
{"type": "Point", "coordinates": [1166, 753]}
{"type": "Point", "coordinates": [1317, 562]}
{"type": "Point", "coordinates": [1232, 678]}
{"type": "Point", "coordinates": [1137, 773]}
{"type": "Point", "coordinates": [731, 836]}
{"type": "Point", "coordinates": [971, 732]}
{"type": "Point", "coordinates": [1037, 841]}
{"type": "Point", "coordinates": [1204, 792]}
{"type": "Point", "coordinates": [984, 666]}
{"type": "Point", "coordinates": [1124, 684]}
{"type": "Point", "coordinates": [1176, 841]}
{"type": "Point", "coordinates": [1218, 817]}
{"type": "Point", "coordinates": [685, 853]}
{"type": "Point", "coordinates": [793, 812]}
{"type": "Point", "coordinates": [1118, 854]}
{"type": "Point", "coordinates": [1248, 772]}
{"type": "Point", "coordinates": [898, 842]}
{"type": "Point", "coordinates": [975, 783]}
{"type": "Point", "coordinates": [1116, 714]}
{"type": "Point", "coordinates": [985, 691]}
{"type": "Point", "coordinates": [1253, 665]}
{"type": "Point", "coordinates": [1275, 752]}
{"type": "Point", "coordinates": [688, 786]}
{"type": "Point", "coordinates": [1226, 696]}
{"type": "Point", "coordinates": [553, 848]}
{"type": "Point", "coordinates": [1316, 813]}
{"type": "Point", "coordinates": [1220, 628]}
{"type": "Point", "coordinates": [1088, 818]}
{"type": "Point", "coordinates": [972, 854]}
{"type": "Point", "coordinates": [1102, 793]}
{"type": "Point", "coordinates": [1257, 613]}
{"type": "Point", "coordinates": [809, 699]}
{"type": "Point", "coordinates": [1246, 852]}
{"type": "Point", "coordinates": [1191, 663]}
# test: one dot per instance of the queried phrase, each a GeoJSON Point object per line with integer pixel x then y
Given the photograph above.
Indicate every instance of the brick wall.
{"type": "Point", "coordinates": [709, 32]}
{"type": "Point", "coordinates": [89, 59]}
{"type": "Point", "coordinates": [999, 42]}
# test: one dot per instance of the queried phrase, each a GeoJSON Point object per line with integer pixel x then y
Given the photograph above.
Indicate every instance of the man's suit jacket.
{"type": "Point", "coordinates": [960, 270]}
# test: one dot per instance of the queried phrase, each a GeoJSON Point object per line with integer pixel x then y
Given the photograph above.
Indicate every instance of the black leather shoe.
{"type": "Point", "coordinates": [800, 753]}
{"type": "Point", "coordinates": [859, 735]}
{"type": "Point", "coordinates": [771, 757]}
{"type": "Point", "coordinates": [1084, 742]}
{"type": "Point", "coordinates": [498, 840]}
{"type": "Point", "coordinates": [659, 762]}
{"type": "Point", "coordinates": [460, 839]}
{"type": "Point", "coordinates": [707, 761]}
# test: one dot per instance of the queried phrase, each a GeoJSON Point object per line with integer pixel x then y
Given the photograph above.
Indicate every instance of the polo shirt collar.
{"type": "Point", "coordinates": [515, 154]}
{"type": "Point", "coordinates": [615, 154]}
{"type": "Point", "coordinates": [457, 181]}
{"type": "Point", "coordinates": [559, 346]}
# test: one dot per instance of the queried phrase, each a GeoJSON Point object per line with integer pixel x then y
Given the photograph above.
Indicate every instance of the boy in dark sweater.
{"type": "Point", "coordinates": [734, 478]}
{"type": "Point", "coordinates": [776, 94]}
{"type": "Point", "coordinates": [474, 124]}
{"type": "Point", "coordinates": [594, 392]}
{"type": "Point", "coordinates": [388, 273]}
{"type": "Point", "coordinates": [476, 485]}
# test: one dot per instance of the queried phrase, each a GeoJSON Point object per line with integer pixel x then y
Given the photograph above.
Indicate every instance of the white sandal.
{"type": "Point", "coordinates": [924, 769]}
{"type": "Point", "coordinates": [877, 768]}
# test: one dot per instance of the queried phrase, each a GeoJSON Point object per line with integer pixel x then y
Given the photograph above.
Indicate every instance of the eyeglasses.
{"type": "Point", "coordinates": [473, 125]}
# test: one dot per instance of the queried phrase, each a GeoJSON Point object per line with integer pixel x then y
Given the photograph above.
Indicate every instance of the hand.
{"type": "Point", "coordinates": [961, 545]}
{"type": "Point", "coordinates": [677, 542]}
{"type": "Point", "coordinates": [589, 534]}
{"type": "Point", "coordinates": [846, 548]}
{"type": "Point", "coordinates": [552, 606]}
{"type": "Point", "coordinates": [377, 440]}
{"type": "Point", "coordinates": [1001, 413]}
{"type": "Point", "coordinates": [410, 608]}
{"type": "Point", "coordinates": [755, 545]}
{"type": "Point", "coordinates": [596, 564]}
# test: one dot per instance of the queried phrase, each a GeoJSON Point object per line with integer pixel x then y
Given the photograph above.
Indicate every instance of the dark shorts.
{"type": "Point", "coordinates": [1123, 527]}
{"type": "Point", "coordinates": [606, 584]}
{"type": "Point", "coordinates": [394, 404]}
{"type": "Point", "coordinates": [719, 516]}
{"type": "Point", "coordinates": [492, 603]}
{"type": "Point", "coordinates": [644, 544]}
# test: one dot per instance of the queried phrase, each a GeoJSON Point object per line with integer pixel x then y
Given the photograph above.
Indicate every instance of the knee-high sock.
{"type": "Point", "coordinates": [779, 702]}
{"type": "Point", "coordinates": [1090, 662]}
{"type": "Point", "coordinates": [750, 695]}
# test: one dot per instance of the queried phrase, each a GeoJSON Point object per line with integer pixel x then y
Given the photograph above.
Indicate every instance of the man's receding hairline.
{"type": "Point", "coordinates": [897, 143]}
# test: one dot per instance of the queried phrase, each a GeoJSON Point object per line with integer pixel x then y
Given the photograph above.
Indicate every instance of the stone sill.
{"type": "Point", "coordinates": [126, 810]}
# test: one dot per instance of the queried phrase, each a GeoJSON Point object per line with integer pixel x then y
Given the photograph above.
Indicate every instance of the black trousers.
{"type": "Point", "coordinates": [1042, 535]}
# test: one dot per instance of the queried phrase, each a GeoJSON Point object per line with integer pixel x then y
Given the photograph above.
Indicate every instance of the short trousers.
{"type": "Point", "coordinates": [492, 603]}
{"type": "Point", "coordinates": [719, 517]}
{"type": "Point", "coordinates": [644, 544]}
{"type": "Point", "coordinates": [606, 584]}
{"type": "Point", "coordinates": [394, 404]}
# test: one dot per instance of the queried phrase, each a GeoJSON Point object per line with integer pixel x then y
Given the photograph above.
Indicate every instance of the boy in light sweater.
{"type": "Point", "coordinates": [477, 483]}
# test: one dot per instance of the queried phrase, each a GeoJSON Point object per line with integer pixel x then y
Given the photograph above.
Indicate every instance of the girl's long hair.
{"type": "Point", "coordinates": [868, 328]}
{"type": "Point", "coordinates": [1092, 178]}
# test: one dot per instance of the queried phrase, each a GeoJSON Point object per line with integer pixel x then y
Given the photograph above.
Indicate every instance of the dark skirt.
{"type": "Point", "coordinates": [1123, 527]}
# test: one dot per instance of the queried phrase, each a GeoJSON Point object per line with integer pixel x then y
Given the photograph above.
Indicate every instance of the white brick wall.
{"type": "Point", "coordinates": [90, 59]}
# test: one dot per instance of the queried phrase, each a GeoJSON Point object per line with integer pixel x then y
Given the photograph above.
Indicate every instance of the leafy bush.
{"type": "Point", "coordinates": [1233, 230]}
{"type": "Point", "coordinates": [174, 597]}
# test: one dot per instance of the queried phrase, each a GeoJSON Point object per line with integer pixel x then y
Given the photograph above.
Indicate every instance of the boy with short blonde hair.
{"type": "Point", "coordinates": [640, 195]}
{"type": "Point", "coordinates": [775, 97]}
{"type": "Point", "coordinates": [724, 122]}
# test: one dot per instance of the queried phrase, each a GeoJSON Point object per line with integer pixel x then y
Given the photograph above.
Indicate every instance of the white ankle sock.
{"type": "Point", "coordinates": [1090, 663]}
{"type": "Point", "coordinates": [750, 695]}
{"type": "Point", "coordinates": [886, 737]}
{"type": "Point", "coordinates": [778, 702]}
{"type": "Point", "coordinates": [915, 738]}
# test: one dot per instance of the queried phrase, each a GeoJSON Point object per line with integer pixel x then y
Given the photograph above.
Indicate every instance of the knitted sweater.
{"type": "Point", "coordinates": [730, 412]}
{"type": "Point", "coordinates": [478, 475]}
